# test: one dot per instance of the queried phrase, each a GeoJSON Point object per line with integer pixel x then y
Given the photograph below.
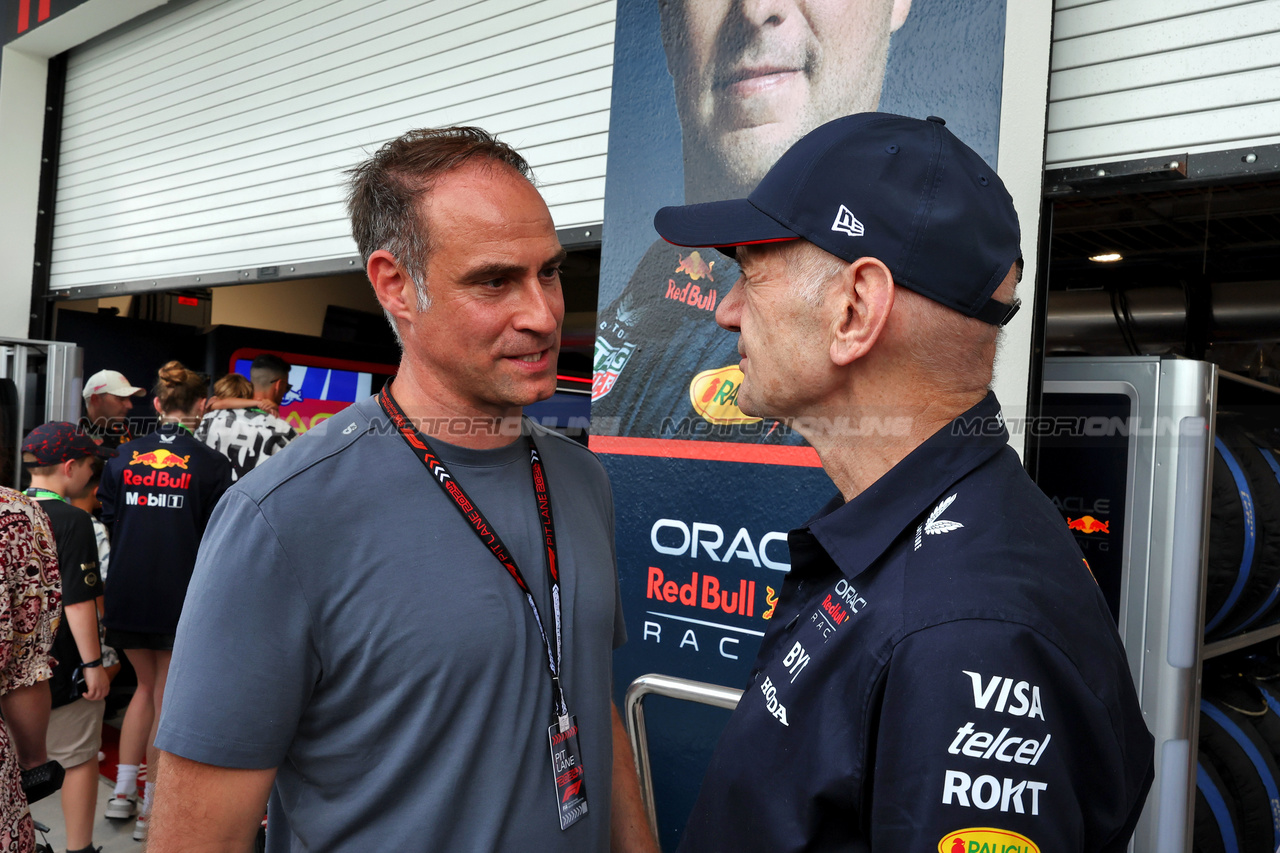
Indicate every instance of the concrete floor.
{"type": "Point", "coordinates": [113, 836]}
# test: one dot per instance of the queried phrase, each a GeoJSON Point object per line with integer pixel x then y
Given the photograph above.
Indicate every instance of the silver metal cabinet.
{"type": "Point", "coordinates": [46, 381]}
{"type": "Point", "coordinates": [1154, 477]}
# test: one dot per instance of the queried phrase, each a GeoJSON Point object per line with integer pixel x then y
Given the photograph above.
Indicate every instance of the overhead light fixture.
{"type": "Point", "coordinates": [1107, 258]}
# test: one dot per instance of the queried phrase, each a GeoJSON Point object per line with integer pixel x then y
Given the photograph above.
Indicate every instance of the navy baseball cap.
{"type": "Point", "coordinates": [58, 441]}
{"type": "Point", "coordinates": [903, 190]}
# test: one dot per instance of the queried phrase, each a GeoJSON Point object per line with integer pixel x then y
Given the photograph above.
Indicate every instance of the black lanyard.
{"type": "Point", "coordinates": [45, 495]}
{"type": "Point", "coordinates": [484, 530]}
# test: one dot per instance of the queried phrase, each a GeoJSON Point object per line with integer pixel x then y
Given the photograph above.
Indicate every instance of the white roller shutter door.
{"type": "Point", "coordinates": [1142, 78]}
{"type": "Point", "coordinates": [213, 138]}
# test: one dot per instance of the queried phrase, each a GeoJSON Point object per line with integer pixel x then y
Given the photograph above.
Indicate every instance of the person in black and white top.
{"type": "Point", "coordinates": [249, 436]}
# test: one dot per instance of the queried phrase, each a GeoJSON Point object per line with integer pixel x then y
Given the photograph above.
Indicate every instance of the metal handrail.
{"type": "Point", "coordinates": [674, 688]}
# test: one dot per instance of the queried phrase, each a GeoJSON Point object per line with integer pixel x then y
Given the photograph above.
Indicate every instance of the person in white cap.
{"type": "Point", "coordinates": [107, 401]}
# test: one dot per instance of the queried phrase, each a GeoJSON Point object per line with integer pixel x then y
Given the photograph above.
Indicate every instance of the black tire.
{"type": "Point", "coordinates": [1249, 774]}
{"type": "Point", "coordinates": [1217, 826]}
{"type": "Point", "coordinates": [1243, 589]}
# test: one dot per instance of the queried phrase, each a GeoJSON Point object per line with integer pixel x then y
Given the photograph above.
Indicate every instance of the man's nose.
{"type": "Point", "coordinates": [729, 311]}
{"type": "Point", "coordinates": [766, 12]}
{"type": "Point", "coordinates": [541, 308]}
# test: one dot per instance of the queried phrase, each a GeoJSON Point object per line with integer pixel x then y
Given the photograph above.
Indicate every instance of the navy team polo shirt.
{"type": "Point", "coordinates": [941, 674]}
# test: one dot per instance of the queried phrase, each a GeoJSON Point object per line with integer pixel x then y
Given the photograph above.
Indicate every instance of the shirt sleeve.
{"type": "Point", "coordinates": [275, 439]}
{"type": "Point", "coordinates": [104, 547]}
{"type": "Point", "coordinates": [78, 561]}
{"type": "Point", "coordinates": [988, 734]}
{"type": "Point", "coordinates": [108, 491]}
{"type": "Point", "coordinates": [221, 482]}
{"type": "Point", "coordinates": [29, 609]}
{"type": "Point", "coordinates": [245, 661]}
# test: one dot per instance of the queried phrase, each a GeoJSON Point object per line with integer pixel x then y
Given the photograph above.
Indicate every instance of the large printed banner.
{"type": "Point", "coordinates": [707, 94]}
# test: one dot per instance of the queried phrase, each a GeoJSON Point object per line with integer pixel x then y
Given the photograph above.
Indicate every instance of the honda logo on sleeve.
{"type": "Point", "coordinates": [847, 223]}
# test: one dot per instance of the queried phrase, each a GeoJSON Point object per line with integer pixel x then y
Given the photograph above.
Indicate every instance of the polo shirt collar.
{"type": "Point", "coordinates": [857, 533]}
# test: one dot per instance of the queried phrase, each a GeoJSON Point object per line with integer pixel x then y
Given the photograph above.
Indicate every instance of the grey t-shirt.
{"type": "Point", "coordinates": [346, 626]}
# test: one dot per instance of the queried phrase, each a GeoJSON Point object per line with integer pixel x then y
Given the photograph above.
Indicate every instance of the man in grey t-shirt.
{"type": "Point", "coordinates": [403, 628]}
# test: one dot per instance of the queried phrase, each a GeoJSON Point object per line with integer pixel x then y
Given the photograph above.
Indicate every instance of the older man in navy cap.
{"type": "Point", "coordinates": [941, 672]}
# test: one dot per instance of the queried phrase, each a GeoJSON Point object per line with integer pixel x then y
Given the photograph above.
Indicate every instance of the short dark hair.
{"type": "Point", "coordinates": [383, 191]}
{"type": "Point", "coordinates": [267, 368]}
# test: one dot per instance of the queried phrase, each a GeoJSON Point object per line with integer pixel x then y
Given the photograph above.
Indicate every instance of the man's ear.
{"type": "Point", "coordinates": [392, 286]}
{"type": "Point", "coordinates": [862, 298]}
{"type": "Point", "coordinates": [898, 16]}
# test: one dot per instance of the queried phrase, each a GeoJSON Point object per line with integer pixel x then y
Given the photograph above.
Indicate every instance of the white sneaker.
{"type": "Point", "coordinates": [121, 807]}
{"type": "Point", "coordinates": [140, 828]}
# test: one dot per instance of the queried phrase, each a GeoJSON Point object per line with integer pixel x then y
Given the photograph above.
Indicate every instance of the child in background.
{"type": "Point", "coordinates": [60, 459]}
{"type": "Point", "coordinates": [234, 391]}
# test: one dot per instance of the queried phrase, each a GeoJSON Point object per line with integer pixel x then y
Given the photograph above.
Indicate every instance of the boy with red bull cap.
{"type": "Point", "coordinates": [60, 460]}
{"type": "Point", "coordinates": [941, 671]}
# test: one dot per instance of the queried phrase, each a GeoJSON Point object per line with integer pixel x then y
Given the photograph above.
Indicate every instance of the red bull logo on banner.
{"type": "Point", "coordinates": [770, 600]}
{"type": "Point", "coordinates": [1088, 524]}
{"type": "Point", "coordinates": [160, 459]}
{"type": "Point", "coordinates": [695, 267]}
{"type": "Point", "coordinates": [986, 840]}
{"type": "Point", "coordinates": [714, 394]}
{"type": "Point", "coordinates": [693, 295]}
{"type": "Point", "coordinates": [708, 596]}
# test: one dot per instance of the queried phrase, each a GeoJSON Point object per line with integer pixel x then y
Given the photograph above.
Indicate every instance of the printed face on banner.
{"type": "Point", "coordinates": [752, 78]}
{"type": "Point", "coordinates": [746, 80]}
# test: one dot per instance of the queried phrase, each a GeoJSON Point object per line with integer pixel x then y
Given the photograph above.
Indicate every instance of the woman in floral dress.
{"type": "Point", "coordinates": [30, 605]}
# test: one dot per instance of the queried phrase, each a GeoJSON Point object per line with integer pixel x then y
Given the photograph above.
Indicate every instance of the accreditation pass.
{"type": "Point", "coordinates": [566, 765]}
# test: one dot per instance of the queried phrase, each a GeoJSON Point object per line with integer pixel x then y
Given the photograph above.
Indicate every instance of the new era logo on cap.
{"type": "Point", "coordinates": [847, 223]}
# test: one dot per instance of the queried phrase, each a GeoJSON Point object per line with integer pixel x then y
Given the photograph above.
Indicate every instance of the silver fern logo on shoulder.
{"type": "Point", "coordinates": [935, 524]}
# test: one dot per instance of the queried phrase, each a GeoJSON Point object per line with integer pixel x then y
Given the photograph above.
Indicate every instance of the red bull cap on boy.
{"type": "Point", "coordinates": [59, 441]}
{"type": "Point", "coordinates": [903, 190]}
